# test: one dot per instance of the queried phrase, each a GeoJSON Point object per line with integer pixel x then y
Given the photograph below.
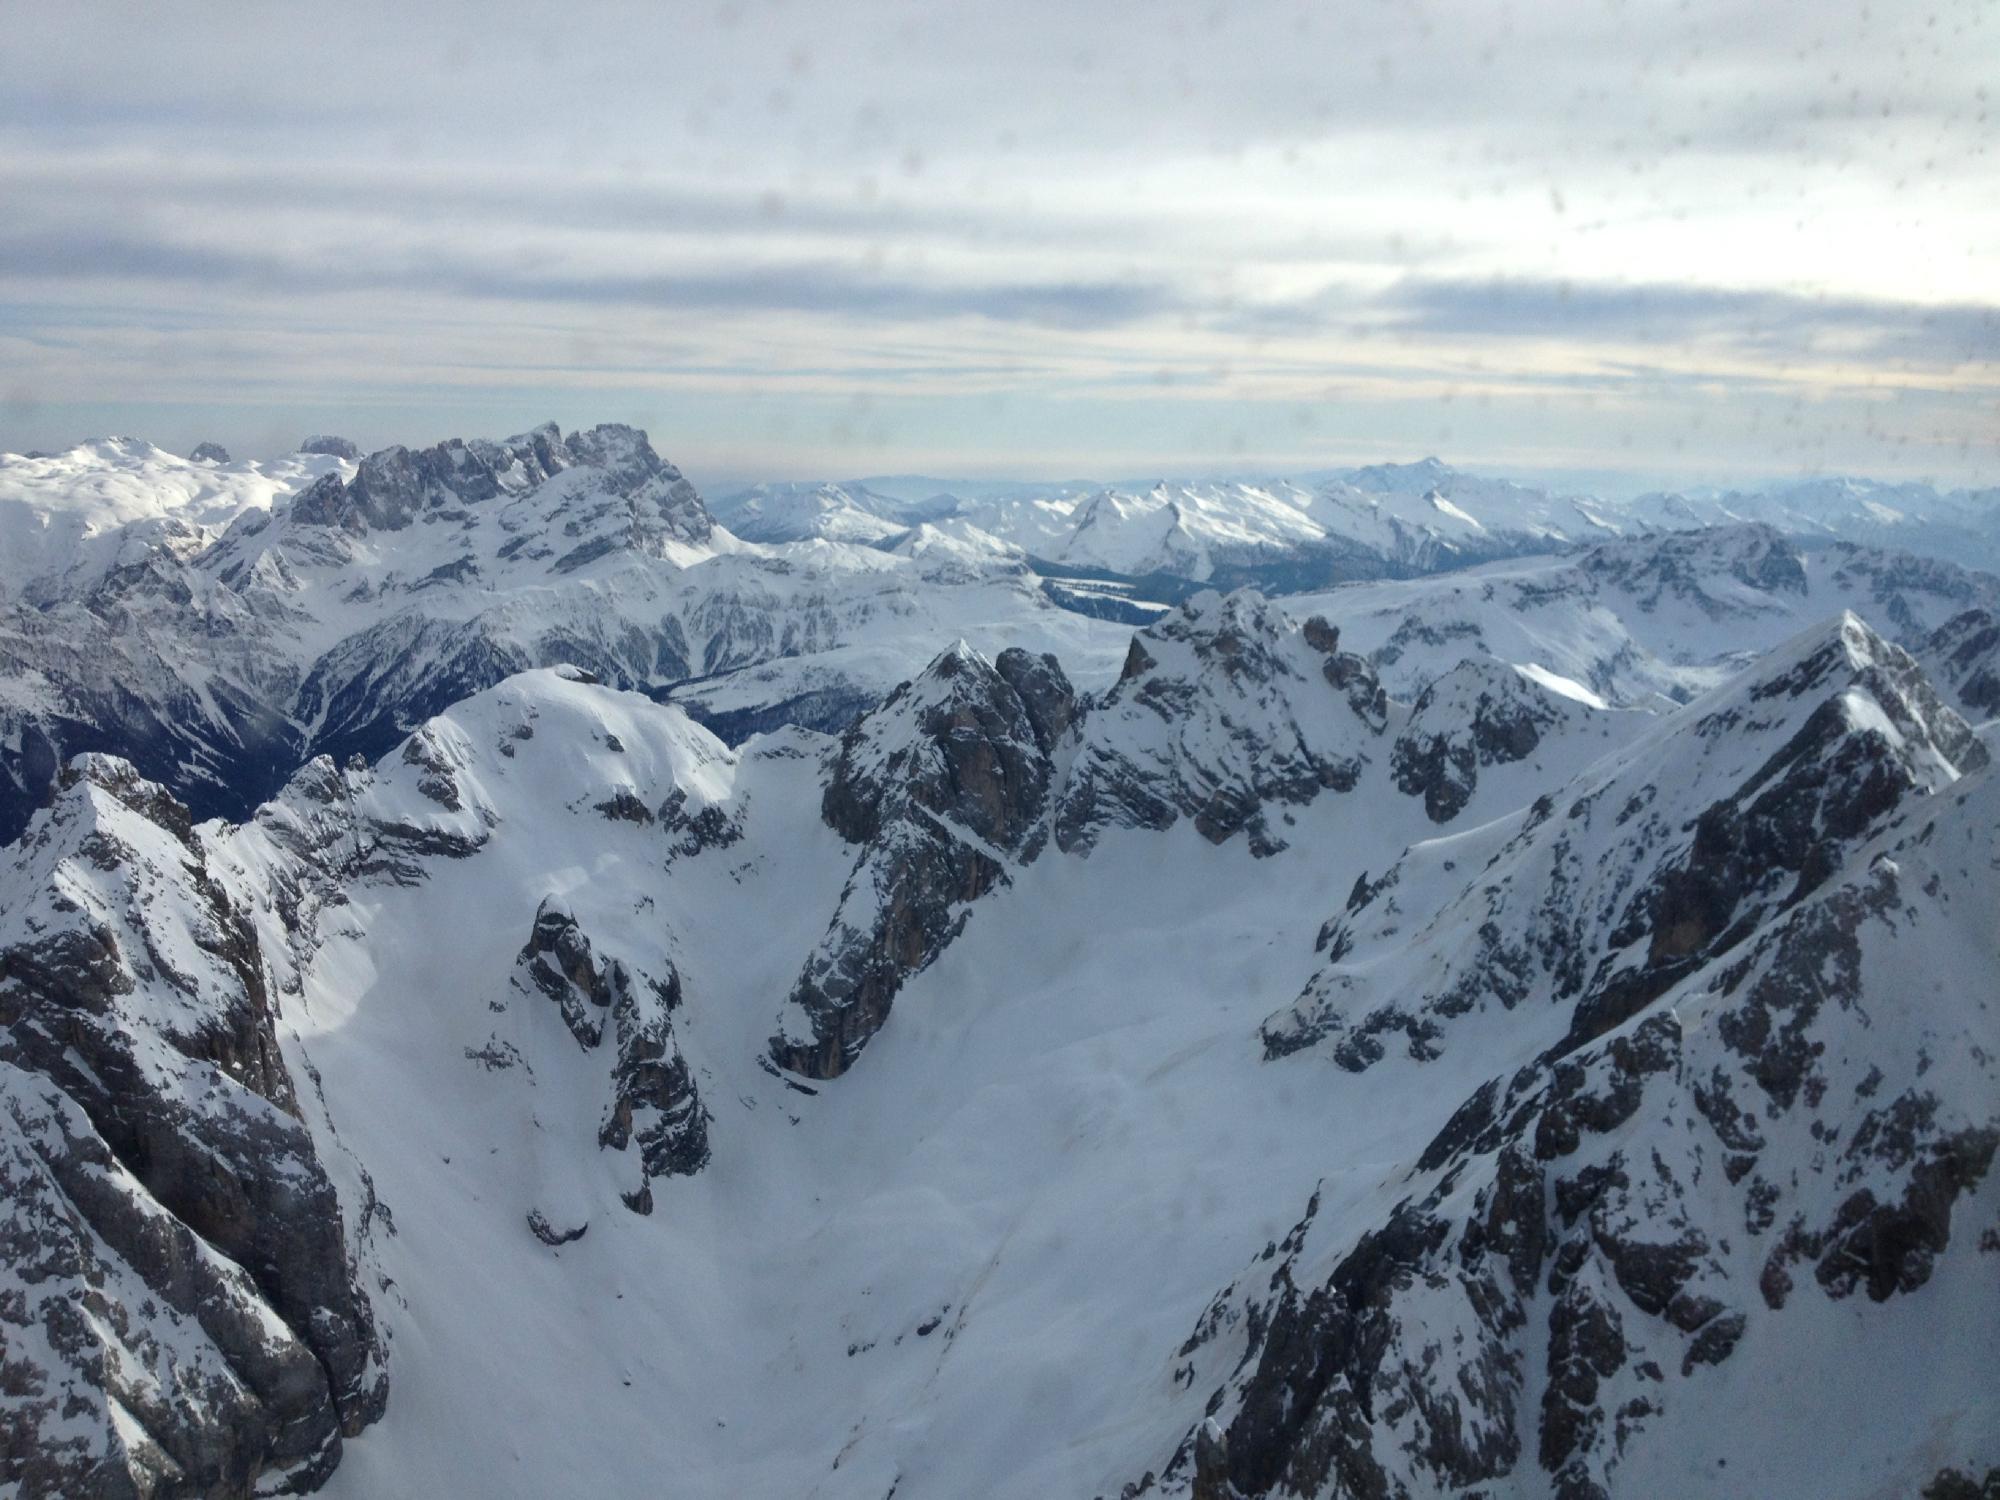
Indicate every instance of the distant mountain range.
{"type": "Point", "coordinates": [514, 983]}
{"type": "Point", "coordinates": [1384, 520]}
{"type": "Point", "coordinates": [221, 622]}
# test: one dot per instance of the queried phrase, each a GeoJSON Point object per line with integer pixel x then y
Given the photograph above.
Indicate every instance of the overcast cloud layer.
{"type": "Point", "coordinates": [1689, 240]}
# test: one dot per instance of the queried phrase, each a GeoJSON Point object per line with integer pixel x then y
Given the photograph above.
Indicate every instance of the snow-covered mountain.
{"type": "Point", "coordinates": [1644, 618]}
{"type": "Point", "coordinates": [1716, 1119]}
{"type": "Point", "coordinates": [219, 623]}
{"type": "Point", "coordinates": [1524, 1031]}
{"type": "Point", "coordinates": [1391, 519]}
{"type": "Point", "coordinates": [183, 1311]}
{"type": "Point", "coordinates": [339, 617]}
{"type": "Point", "coordinates": [1381, 521]}
{"type": "Point", "coordinates": [798, 512]}
{"type": "Point", "coordinates": [1961, 526]}
{"type": "Point", "coordinates": [67, 519]}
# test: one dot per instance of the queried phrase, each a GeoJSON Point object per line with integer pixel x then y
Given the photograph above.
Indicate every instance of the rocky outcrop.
{"type": "Point", "coordinates": [203, 660]}
{"type": "Point", "coordinates": [1962, 657]}
{"type": "Point", "coordinates": [1655, 862]}
{"type": "Point", "coordinates": [1692, 568]}
{"type": "Point", "coordinates": [332, 447]}
{"type": "Point", "coordinates": [398, 487]}
{"type": "Point", "coordinates": [187, 1318]}
{"type": "Point", "coordinates": [945, 787]}
{"type": "Point", "coordinates": [209, 453]}
{"type": "Point", "coordinates": [1481, 714]}
{"type": "Point", "coordinates": [652, 1103]}
{"type": "Point", "coordinates": [1590, 1237]}
{"type": "Point", "coordinates": [1223, 713]}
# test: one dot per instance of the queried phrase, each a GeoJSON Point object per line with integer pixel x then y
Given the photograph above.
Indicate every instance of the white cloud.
{"type": "Point", "coordinates": [1476, 220]}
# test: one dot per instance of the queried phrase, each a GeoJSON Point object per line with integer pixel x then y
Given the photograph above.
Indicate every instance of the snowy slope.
{"type": "Point", "coordinates": [393, 586]}
{"type": "Point", "coordinates": [182, 1308]}
{"type": "Point", "coordinates": [1717, 815]}
{"type": "Point", "coordinates": [1642, 618]}
{"type": "Point", "coordinates": [1523, 1031]}
{"type": "Point", "coordinates": [531, 960]}
{"type": "Point", "coordinates": [799, 512]}
{"type": "Point", "coordinates": [68, 518]}
{"type": "Point", "coordinates": [1960, 526]}
{"type": "Point", "coordinates": [1715, 1222]}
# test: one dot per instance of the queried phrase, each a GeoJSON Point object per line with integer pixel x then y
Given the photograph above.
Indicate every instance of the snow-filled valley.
{"type": "Point", "coordinates": [820, 1011]}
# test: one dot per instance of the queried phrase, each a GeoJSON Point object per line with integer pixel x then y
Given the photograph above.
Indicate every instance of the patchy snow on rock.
{"type": "Point", "coordinates": [820, 1018]}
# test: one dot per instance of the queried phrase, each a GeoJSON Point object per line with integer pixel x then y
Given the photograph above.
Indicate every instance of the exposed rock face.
{"type": "Point", "coordinates": [653, 1102]}
{"type": "Point", "coordinates": [199, 659]}
{"type": "Point", "coordinates": [1686, 568]}
{"type": "Point", "coordinates": [1223, 712]}
{"type": "Point", "coordinates": [1667, 855]}
{"type": "Point", "coordinates": [397, 487]}
{"type": "Point", "coordinates": [1588, 1239]}
{"type": "Point", "coordinates": [336, 831]}
{"type": "Point", "coordinates": [1963, 658]}
{"type": "Point", "coordinates": [332, 447]}
{"type": "Point", "coordinates": [944, 786]}
{"type": "Point", "coordinates": [187, 1319]}
{"type": "Point", "coordinates": [1482, 713]}
{"type": "Point", "coordinates": [209, 453]}
{"type": "Point", "coordinates": [106, 684]}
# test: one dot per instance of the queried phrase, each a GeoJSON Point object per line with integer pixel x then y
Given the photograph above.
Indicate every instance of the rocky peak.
{"type": "Point", "coordinates": [396, 487]}
{"type": "Point", "coordinates": [120, 780]}
{"type": "Point", "coordinates": [1651, 863]}
{"type": "Point", "coordinates": [331, 447]}
{"type": "Point", "coordinates": [622, 452]}
{"type": "Point", "coordinates": [945, 785]}
{"type": "Point", "coordinates": [1962, 657]}
{"type": "Point", "coordinates": [187, 1268]}
{"type": "Point", "coordinates": [1862, 687]}
{"type": "Point", "coordinates": [1223, 707]}
{"type": "Point", "coordinates": [1482, 713]}
{"type": "Point", "coordinates": [1696, 567]}
{"type": "Point", "coordinates": [209, 453]}
{"type": "Point", "coordinates": [967, 739]}
{"type": "Point", "coordinates": [658, 503]}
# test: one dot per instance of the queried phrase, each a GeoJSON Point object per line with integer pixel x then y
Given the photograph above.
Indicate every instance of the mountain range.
{"type": "Point", "coordinates": [516, 982]}
{"type": "Point", "coordinates": [1383, 520]}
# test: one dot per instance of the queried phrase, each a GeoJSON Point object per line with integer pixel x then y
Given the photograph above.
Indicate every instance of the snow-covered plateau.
{"type": "Point", "coordinates": [512, 984]}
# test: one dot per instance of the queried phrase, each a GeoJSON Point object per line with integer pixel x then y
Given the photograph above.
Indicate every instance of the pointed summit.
{"type": "Point", "coordinates": [946, 787]}
{"type": "Point", "coordinates": [1655, 861]}
{"type": "Point", "coordinates": [1224, 706]}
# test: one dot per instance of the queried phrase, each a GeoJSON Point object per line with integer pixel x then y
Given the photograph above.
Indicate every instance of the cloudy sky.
{"type": "Point", "coordinates": [1613, 239]}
